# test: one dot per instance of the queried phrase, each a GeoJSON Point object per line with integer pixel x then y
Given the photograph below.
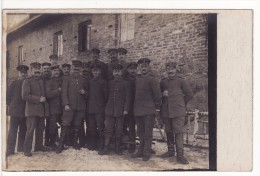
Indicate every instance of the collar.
{"type": "Point", "coordinates": [118, 79]}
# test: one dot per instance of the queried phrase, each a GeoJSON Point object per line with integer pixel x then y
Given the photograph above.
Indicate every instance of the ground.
{"type": "Point", "coordinates": [86, 160]}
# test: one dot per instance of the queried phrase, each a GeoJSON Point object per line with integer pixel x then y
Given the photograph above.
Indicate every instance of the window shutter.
{"type": "Point", "coordinates": [80, 38]}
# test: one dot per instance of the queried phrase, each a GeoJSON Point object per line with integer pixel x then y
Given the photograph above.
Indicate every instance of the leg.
{"type": "Point", "coordinates": [53, 130]}
{"type": "Point", "coordinates": [21, 135]}
{"type": "Point", "coordinates": [170, 138]}
{"type": "Point", "coordinates": [119, 133]}
{"type": "Point", "coordinates": [148, 136]}
{"type": "Point", "coordinates": [47, 132]}
{"type": "Point", "coordinates": [77, 121]}
{"type": "Point", "coordinates": [140, 133]}
{"type": "Point", "coordinates": [12, 135]}
{"type": "Point", "coordinates": [132, 133]}
{"type": "Point", "coordinates": [100, 118]}
{"type": "Point", "coordinates": [92, 131]}
{"type": "Point", "coordinates": [40, 126]}
{"type": "Point", "coordinates": [82, 134]}
{"type": "Point", "coordinates": [31, 125]}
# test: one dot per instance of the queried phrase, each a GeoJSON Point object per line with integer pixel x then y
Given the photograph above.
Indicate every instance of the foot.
{"type": "Point", "coordinates": [182, 160]}
{"type": "Point", "coordinates": [28, 154]}
{"type": "Point", "coordinates": [91, 147]}
{"type": "Point", "coordinates": [59, 149]}
{"type": "Point", "coordinates": [137, 155]}
{"type": "Point", "coordinates": [76, 146]}
{"type": "Point", "coordinates": [168, 154]}
{"type": "Point", "coordinates": [20, 150]}
{"type": "Point", "coordinates": [146, 157]}
{"type": "Point", "coordinates": [131, 150]}
{"type": "Point", "coordinates": [118, 152]}
{"type": "Point", "coordinates": [153, 152]}
{"type": "Point", "coordinates": [9, 153]}
{"type": "Point", "coordinates": [41, 149]}
{"type": "Point", "coordinates": [105, 151]}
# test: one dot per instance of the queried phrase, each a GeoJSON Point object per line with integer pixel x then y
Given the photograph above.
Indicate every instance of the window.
{"type": "Point", "coordinates": [84, 35]}
{"type": "Point", "coordinates": [58, 43]}
{"type": "Point", "coordinates": [127, 27]}
{"type": "Point", "coordinates": [20, 55]}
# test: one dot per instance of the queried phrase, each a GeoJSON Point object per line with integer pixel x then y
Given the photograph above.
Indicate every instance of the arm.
{"type": "Point", "coordinates": [9, 93]}
{"type": "Point", "coordinates": [64, 91]}
{"type": "Point", "coordinates": [26, 93]}
{"type": "Point", "coordinates": [156, 93]}
{"type": "Point", "coordinates": [105, 90]}
{"type": "Point", "coordinates": [127, 98]}
{"type": "Point", "coordinates": [187, 92]}
{"type": "Point", "coordinates": [50, 92]}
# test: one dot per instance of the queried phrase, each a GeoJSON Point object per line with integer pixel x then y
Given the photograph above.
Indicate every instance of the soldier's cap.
{"type": "Point", "coordinates": [122, 50]}
{"type": "Point", "coordinates": [171, 64]}
{"type": "Point", "coordinates": [95, 50]}
{"type": "Point", "coordinates": [117, 67]}
{"type": "Point", "coordinates": [112, 50]}
{"type": "Point", "coordinates": [144, 61]}
{"type": "Point", "coordinates": [22, 68]}
{"type": "Point", "coordinates": [35, 65]}
{"type": "Point", "coordinates": [132, 64]}
{"type": "Point", "coordinates": [76, 63]}
{"type": "Point", "coordinates": [53, 56]}
{"type": "Point", "coordinates": [65, 65]}
{"type": "Point", "coordinates": [46, 64]}
{"type": "Point", "coordinates": [86, 64]}
{"type": "Point", "coordinates": [55, 67]}
{"type": "Point", "coordinates": [95, 65]}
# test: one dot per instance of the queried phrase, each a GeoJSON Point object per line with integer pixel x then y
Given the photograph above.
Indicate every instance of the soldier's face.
{"type": "Point", "coordinates": [132, 71]}
{"type": "Point", "coordinates": [23, 74]}
{"type": "Point", "coordinates": [121, 57]}
{"type": "Point", "coordinates": [95, 56]}
{"type": "Point", "coordinates": [112, 56]}
{"type": "Point", "coordinates": [56, 73]}
{"type": "Point", "coordinates": [76, 69]}
{"type": "Point", "coordinates": [96, 72]}
{"type": "Point", "coordinates": [85, 70]}
{"type": "Point", "coordinates": [171, 71]}
{"type": "Point", "coordinates": [66, 71]}
{"type": "Point", "coordinates": [36, 71]}
{"type": "Point", "coordinates": [46, 70]}
{"type": "Point", "coordinates": [117, 73]}
{"type": "Point", "coordinates": [145, 68]}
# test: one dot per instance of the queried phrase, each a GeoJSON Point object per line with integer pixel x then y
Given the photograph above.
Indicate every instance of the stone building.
{"type": "Point", "coordinates": [160, 37]}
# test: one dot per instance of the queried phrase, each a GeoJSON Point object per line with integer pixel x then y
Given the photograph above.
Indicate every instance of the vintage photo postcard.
{"type": "Point", "coordinates": [122, 90]}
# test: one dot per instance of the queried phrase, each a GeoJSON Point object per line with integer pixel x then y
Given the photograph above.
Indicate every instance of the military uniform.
{"type": "Point", "coordinates": [98, 93]}
{"type": "Point", "coordinates": [32, 91]}
{"type": "Point", "coordinates": [104, 68]}
{"type": "Point", "coordinates": [147, 101]}
{"type": "Point", "coordinates": [17, 112]}
{"type": "Point", "coordinates": [173, 111]}
{"type": "Point", "coordinates": [53, 95]}
{"type": "Point", "coordinates": [118, 102]}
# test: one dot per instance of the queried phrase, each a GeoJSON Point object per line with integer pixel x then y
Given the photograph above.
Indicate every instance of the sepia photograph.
{"type": "Point", "coordinates": [109, 91]}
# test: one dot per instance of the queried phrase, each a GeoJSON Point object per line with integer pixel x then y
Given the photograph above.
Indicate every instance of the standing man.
{"type": "Point", "coordinates": [112, 56]}
{"type": "Point", "coordinates": [53, 94]}
{"type": "Point", "coordinates": [74, 94]}
{"type": "Point", "coordinates": [122, 56]}
{"type": "Point", "coordinates": [147, 104]}
{"type": "Point", "coordinates": [176, 94]}
{"type": "Point", "coordinates": [96, 59]}
{"type": "Point", "coordinates": [46, 76]}
{"type": "Point", "coordinates": [116, 108]}
{"type": "Point", "coordinates": [16, 109]}
{"type": "Point", "coordinates": [129, 122]}
{"type": "Point", "coordinates": [33, 94]}
{"type": "Point", "coordinates": [66, 69]}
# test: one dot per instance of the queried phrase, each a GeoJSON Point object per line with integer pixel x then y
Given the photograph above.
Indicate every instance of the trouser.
{"type": "Point", "coordinates": [53, 130]}
{"type": "Point", "coordinates": [47, 131]}
{"type": "Point", "coordinates": [96, 123]}
{"type": "Point", "coordinates": [113, 124]}
{"type": "Point", "coordinates": [34, 123]}
{"type": "Point", "coordinates": [15, 123]}
{"type": "Point", "coordinates": [175, 126]}
{"type": "Point", "coordinates": [145, 133]}
{"type": "Point", "coordinates": [82, 134]}
{"type": "Point", "coordinates": [129, 123]}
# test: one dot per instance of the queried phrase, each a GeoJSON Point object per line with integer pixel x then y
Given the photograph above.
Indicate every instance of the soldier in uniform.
{"type": "Point", "coordinates": [116, 108]}
{"type": "Point", "coordinates": [16, 110]}
{"type": "Point", "coordinates": [34, 95]}
{"type": "Point", "coordinates": [66, 69]}
{"type": "Point", "coordinates": [74, 94]}
{"type": "Point", "coordinates": [112, 56]}
{"type": "Point", "coordinates": [53, 94]}
{"type": "Point", "coordinates": [129, 122]}
{"type": "Point", "coordinates": [176, 94]}
{"type": "Point", "coordinates": [46, 75]}
{"type": "Point", "coordinates": [122, 57]}
{"type": "Point", "coordinates": [95, 59]}
{"type": "Point", "coordinates": [147, 104]}
{"type": "Point", "coordinates": [98, 93]}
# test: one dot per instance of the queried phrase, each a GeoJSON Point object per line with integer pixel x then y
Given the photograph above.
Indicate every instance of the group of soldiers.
{"type": "Point", "coordinates": [95, 105]}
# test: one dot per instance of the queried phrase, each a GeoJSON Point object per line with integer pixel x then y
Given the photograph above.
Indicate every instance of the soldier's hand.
{"type": "Point", "coordinates": [42, 99]}
{"type": "Point", "coordinates": [82, 92]}
{"type": "Point", "coordinates": [165, 93]}
{"type": "Point", "coordinates": [67, 108]}
{"type": "Point", "coordinates": [125, 112]}
{"type": "Point", "coordinates": [59, 89]}
{"type": "Point", "coordinates": [157, 112]}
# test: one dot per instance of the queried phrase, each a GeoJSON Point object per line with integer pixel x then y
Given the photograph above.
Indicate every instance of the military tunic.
{"type": "Point", "coordinates": [53, 95]}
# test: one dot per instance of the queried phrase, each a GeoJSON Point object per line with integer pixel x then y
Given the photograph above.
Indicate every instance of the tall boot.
{"type": "Point", "coordinates": [100, 142]}
{"type": "Point", "coordinates": [170, 144]}
{"type": "Point", "coordinates": [52, 142]}
{"type": "Point", "coordinates": [117, 146]}
{"type": "Point", "coordinates": [179, 148]}
{"type": "Point", "coordinates": [106, 149]}
{"type": "Point", "coordinates": [64, 131]}
{"type": "Point", "coordinates": [75, 138]}
{"type": "Point", "coordinates": [91, 143]}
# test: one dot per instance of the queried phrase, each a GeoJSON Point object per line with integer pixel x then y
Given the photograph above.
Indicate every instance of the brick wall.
{"type": "Point", "coordinates": [161, 37]}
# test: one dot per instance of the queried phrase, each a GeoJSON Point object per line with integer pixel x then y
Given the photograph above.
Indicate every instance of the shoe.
{"type": "Point", "coordinates": [153, 152]}
{"type": "Point", "coordinates": [131, 150]}
{"type": "Point", "coordinates": [137, 155]}
{"type": "Point", "coordinates": [29, 154]}
{"type": "Point", "coordinates": [146, 157]}
{"type": "Point", "coordinates": [9, 153]}
{"type": "Point", "coordinates": [20, 150]}
{"type": "Point", "coordinates": [42, 149]}
{"type": "Point", "coordinates": [105, 151]}
{"type": "Point", "coordinates": [182, 160]}
{"type": "Point", "coordinates": [168, 154]}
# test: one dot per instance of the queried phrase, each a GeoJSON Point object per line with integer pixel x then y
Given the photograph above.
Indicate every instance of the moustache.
{"type": "Point", "coordinates": [37, 72]}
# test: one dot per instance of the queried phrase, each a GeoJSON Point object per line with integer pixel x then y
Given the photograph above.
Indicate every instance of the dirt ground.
{"type": "Point", "coordinates": [86, 160]}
